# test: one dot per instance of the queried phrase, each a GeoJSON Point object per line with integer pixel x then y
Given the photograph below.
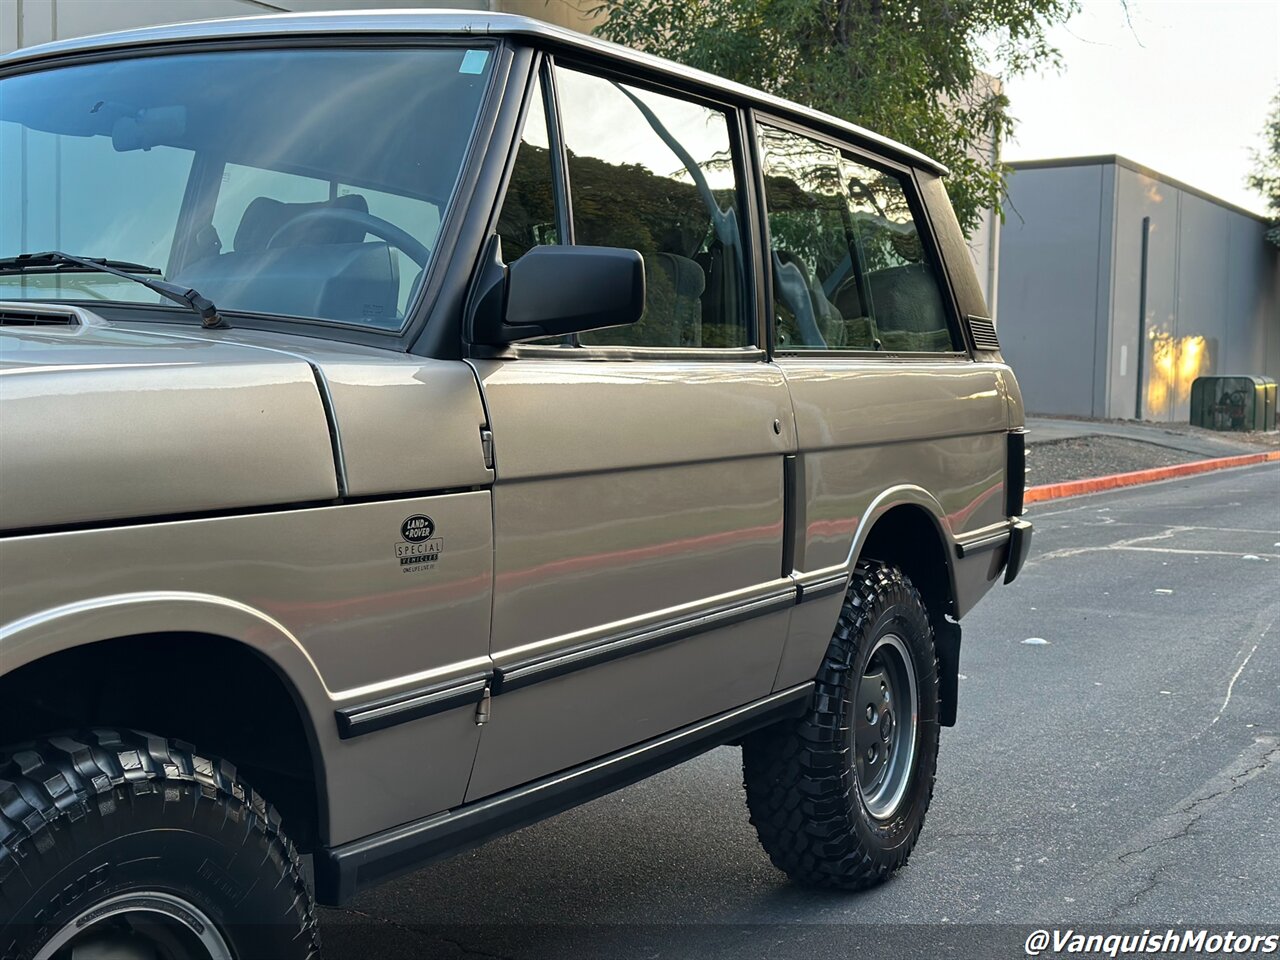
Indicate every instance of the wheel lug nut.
{"type": "Point", "coordinates": [871, 713]}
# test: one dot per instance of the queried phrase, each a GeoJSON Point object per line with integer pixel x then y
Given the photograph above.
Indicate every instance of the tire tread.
{"type": "Point", "coordinates": [797, 775]}
{"type": "Point", "coordinates": [73, 776]}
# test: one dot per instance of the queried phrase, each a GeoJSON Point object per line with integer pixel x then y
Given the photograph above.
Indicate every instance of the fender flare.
{"type": "Point", "coordinates": [56, 629]}
{"type": "Point", "coordinates": [92, 620]}
{"type": "Point", "coordinates": [906, 495]}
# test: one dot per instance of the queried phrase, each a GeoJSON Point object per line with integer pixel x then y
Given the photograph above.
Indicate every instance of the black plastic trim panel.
{"type": "Point", "coordinates": [983, 333]}
{"type": "Point", "coordinates": [1019, 549]}
{"type": "Point", "coordinates": [342, 872]}
{"type": "Point", "coordinates": [790, 491]}
{"type": "Point", "coordinates": [1015, 482]}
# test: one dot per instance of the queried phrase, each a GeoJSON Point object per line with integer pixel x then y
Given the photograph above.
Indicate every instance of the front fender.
{"type": "Point", "coordinates": [54, 630]}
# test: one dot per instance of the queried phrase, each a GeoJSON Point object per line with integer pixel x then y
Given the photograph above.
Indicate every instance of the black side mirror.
{"type": "Point", "coordinates": [555, 290]}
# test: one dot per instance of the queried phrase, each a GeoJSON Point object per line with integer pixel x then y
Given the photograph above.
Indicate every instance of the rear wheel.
{"type": "Point", "coordinates": [121, 845]}
{"type": "Point", "coordinates": [838, 796]}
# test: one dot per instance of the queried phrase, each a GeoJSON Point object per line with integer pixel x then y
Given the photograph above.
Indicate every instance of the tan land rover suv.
{"type": "Point", "coordinates": [414, 425]}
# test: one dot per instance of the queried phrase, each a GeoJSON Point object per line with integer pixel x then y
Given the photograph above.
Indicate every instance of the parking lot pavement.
{"type": "Point", "coordinates": [1125, 771]}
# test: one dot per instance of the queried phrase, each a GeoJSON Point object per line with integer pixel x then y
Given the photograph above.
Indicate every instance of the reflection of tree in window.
{"type": "Point", "coordinates": [687, 230]}
{"type": "Point", "coordinates": [850, 271]}
{"type": "Point", "coordinates": [528, 216]}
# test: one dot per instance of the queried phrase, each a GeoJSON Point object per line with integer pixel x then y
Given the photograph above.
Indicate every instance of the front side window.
{"type": "Point", "coordinates": [308, 183]}
{"type": "Point", "coordinates": [850, 270]}
{"type": "Point", "coordinates": [656, 174]}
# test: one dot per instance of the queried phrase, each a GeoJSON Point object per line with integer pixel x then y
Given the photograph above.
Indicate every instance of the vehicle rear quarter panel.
{"type": "Point", "coordinates": [875, 434]}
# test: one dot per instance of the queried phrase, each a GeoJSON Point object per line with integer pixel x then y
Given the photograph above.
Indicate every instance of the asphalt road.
{"type": "Point", "coordinates": [1127, 771]}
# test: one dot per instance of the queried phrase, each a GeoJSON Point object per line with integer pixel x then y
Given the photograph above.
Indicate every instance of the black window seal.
{"type": "Point", "coordinates": [906, 175]}
{"type": "Point", "coordinates": [817, 354]}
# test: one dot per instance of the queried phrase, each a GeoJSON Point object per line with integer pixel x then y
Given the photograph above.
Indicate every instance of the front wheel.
{"type": "Point", "coordinates": [838, 796]}
{"type": "Point", "coordinates": [123, 845]}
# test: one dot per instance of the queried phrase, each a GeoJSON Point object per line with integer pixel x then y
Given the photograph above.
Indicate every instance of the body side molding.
{"type": "Point", "coordinates": [409, 705]}
{"type": "Point", "coordinates": [521, 673]}
{"type": "Point", "coordinates": [981, 540]}
{"type": "Point", "coordinates": [813, 588]}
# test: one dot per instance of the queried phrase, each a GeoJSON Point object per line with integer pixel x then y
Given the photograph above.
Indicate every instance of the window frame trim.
{"type": "Point", "coordinates": [736, 127]}
{"type": "Point", "coordinates": [911, 189]}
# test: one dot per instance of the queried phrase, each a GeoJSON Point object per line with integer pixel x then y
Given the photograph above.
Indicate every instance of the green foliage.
{"type": "Point", "coordinates": [1265, 177]}
{"type": "Point", "coordinates": [907, 69]}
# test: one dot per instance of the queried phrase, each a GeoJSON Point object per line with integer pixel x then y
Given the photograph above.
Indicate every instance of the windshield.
{"type": "Point", "coordinates": [302, 183]}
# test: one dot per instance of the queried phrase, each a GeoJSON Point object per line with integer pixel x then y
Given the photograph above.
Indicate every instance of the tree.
{"type": "Point", "coordinates": [907, 69]}
{"type": "Point", "coordinates": [1265, 177]}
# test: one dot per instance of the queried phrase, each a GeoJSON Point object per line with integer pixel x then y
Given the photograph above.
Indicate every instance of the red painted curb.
{"type": "Point", "coordinates": [1073, 488]}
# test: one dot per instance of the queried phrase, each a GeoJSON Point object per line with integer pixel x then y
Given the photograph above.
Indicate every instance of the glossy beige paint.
{"type": "Point", "coordinates": [558, 723]}
{"type": "Point", "coordinates": [405, 423]}
{"type": "Point", "coordinates": [320, 592]}
{"type": "Point", "coordinates": [627, 492]}
{"type": "Point", "coordinates": [867, 426]}
{"type": "Point", "coordinates": [875, 435]}
{"type": "Point", "coordinates": [231, 418]}
{"type": "Point", "coordinates": [143, 425]}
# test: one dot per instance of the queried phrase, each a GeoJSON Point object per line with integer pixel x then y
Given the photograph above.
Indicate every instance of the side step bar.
{"type": "Point", "coordinates": [343, 871]}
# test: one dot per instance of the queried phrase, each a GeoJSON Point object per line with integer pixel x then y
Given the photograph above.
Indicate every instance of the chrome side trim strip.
{"type": "Point", "coordinates": [817, 587]}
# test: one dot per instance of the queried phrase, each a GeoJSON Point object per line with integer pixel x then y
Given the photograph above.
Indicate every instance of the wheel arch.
{"type": "Point", "coordinates": [907, 527]}
{"type": "Point", "coordinates": [909, 531]}
{"type": "Point", "coordinates": [240, 687]}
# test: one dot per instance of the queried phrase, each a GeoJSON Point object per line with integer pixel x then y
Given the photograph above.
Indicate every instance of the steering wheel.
{"type": "Point", "coordinates": [412, 248]}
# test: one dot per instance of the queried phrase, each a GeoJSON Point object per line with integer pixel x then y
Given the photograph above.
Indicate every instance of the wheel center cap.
{"type": "Point", "coordinates": [886, 725]}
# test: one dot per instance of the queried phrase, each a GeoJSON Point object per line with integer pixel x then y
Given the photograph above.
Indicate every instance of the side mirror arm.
{"type": "Point", "coordinates": [486, 309]}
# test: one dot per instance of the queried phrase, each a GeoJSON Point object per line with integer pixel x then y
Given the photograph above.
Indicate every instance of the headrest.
{"type": "Point", "coordinates": [687, 278]}
{"type": "Point", "coordinates": [264, 217]}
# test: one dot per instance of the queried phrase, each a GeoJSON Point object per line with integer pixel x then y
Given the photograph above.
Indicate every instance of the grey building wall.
{"type": "Point", "coordinates": [1071, 298]}
{"type": "Point", "coordinates": [1055, 237]}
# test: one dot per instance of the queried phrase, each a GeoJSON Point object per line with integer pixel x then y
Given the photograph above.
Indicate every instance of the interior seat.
{"type": "Point", "coordinates": [265, 217]}
{"type": "Point", "coordinates": [325, 269]}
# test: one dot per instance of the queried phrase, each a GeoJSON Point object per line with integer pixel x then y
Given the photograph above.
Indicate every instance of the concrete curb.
{"type": "Point", "coordinates": [1073, 488]}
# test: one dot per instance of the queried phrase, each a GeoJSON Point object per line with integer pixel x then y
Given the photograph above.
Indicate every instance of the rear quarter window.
{"type": "Point", "coordinates": [851, 268]}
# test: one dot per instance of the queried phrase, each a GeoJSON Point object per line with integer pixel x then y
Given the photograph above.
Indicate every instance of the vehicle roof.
{"type": "Point", "coordinates": [463, 22]}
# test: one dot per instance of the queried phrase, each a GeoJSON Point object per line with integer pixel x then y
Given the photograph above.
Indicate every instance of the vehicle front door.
{"type": "Point", "coordinates": [638, 502]}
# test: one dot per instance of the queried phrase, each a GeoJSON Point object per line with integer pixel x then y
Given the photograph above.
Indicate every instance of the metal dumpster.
{"type": "Point", "coordinates": [1234, 403]}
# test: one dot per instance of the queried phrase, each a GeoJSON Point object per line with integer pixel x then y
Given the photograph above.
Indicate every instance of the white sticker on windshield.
{"type": "Point", "coordinates": [473, 61]}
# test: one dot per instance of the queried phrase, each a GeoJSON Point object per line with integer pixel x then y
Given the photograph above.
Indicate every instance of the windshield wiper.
{"type": "Point", "coordinates": [55, 261]}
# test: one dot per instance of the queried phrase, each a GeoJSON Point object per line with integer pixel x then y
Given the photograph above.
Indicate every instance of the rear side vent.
{"type": "Point", "coordinates": [983, 332]}
{"type": "Point", "coordinates": [37, 318]}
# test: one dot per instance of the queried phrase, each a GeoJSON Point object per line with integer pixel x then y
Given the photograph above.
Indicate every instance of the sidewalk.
{"type": "Point", "coordinates": [1175, 436]}
{"type": "Point", "coordinates": [1063, 449]}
